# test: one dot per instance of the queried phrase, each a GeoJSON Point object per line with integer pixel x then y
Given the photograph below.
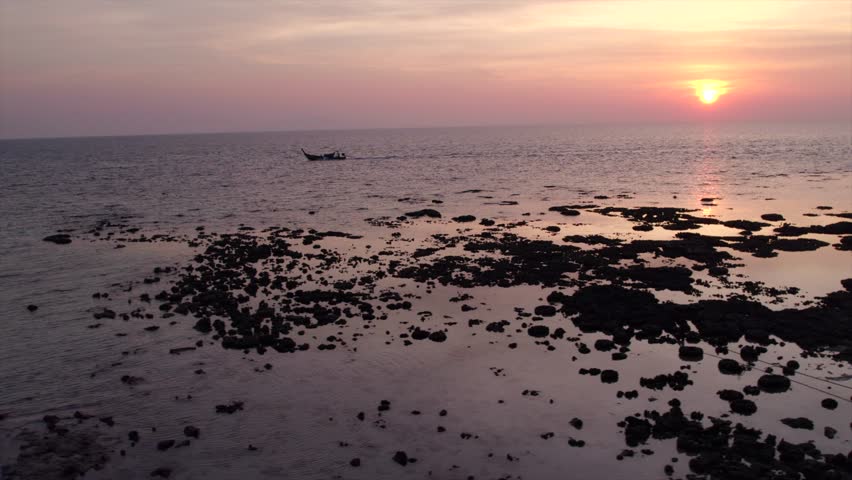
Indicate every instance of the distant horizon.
{"type": "Point", "coordinates": [85, 68]}
{"type": "Point", "coordinates": [706, 123]}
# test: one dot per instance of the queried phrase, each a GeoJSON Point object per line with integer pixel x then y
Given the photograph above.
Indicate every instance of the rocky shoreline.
{"type": "Point", "coordinates": [273, 290]}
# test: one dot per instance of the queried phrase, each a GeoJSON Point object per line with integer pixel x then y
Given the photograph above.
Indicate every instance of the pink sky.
{"type": "Point", "coordinates": [113, 67]}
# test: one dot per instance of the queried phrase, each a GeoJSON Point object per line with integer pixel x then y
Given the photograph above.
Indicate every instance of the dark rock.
{"type": "Point", "coordinates": [637, 431]}
{"type": "Point", "coordinates": [355, 462]}
{"type": "Point", "coordinates": [229, 408]}
{"type": "Point", "coordinates": [751, 353]}
{"type": "Point", "coordinates": [675, 381]}
{"type": "Point", "coordinates": [191, 431]}
{"type": "Point", "coordinates": [773, 383]}
{"type": "Point", "coordinates": [161, 472]}
{"type": "Point", "coordinates": [203, 325]}
{"type": "Point", "coordinates": [438, 336]}
{"type": "Point", "coordinates": [798, 422]}
{"type": "Point", "coordinates": [690, 353]}
{"type": "Point", "coordinates": [730, 395]}
{"type": "Point", "coordinates": [729, 366]}
{"type": "Point", "coordinates": [568, 212]}
{"type": "Point", "coordinates": [426, 212]}
{"type": "Point", "coordinates": [829, 403]}
{"type": "Point", "coordinates": [165, 445]}
{"type": "Point", "coordinates": [772, 217]}
{"type": "Point", "coordinates": [609, 376]}
{"type": "Point", "coordinates": [464, 218]}
{"type": "Point", "coordinates": [545, 310]}
{"type": "Point", "coordinates": [59, 239]}
{"type": "Point", "coordinates": [538, 331]}
{"type": "Point", "coordinates": [743, 406]}
{"type": "Point", "coordinates": [401, 458]}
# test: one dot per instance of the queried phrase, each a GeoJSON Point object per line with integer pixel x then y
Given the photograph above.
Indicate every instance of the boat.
{"type": "Point", "coordinates": [325, 156]}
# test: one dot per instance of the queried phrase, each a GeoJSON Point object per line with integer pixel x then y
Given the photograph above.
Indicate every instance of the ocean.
{"type": "Point", "coordinates": [133, 204]}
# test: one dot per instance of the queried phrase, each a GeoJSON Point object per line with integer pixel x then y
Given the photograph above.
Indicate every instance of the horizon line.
{"type": "Point", "coordinates": [432, 127]}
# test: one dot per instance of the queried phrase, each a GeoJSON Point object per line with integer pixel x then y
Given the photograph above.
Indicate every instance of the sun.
{"type": "Point", "coordinates": [709, 95]}
{"type": "Point", "coordinates": [709, 91]}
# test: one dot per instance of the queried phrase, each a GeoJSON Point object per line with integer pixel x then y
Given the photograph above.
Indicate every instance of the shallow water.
{"type": "Point", "coordinates": [297, 412]}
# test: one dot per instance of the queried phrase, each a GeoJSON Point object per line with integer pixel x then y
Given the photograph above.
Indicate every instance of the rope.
{"type": "Point", "coordinates": [798, 382]}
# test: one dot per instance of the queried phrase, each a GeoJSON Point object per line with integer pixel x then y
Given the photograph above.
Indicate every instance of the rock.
{"type": "Point", "coordinates": [751, 353]}
{"type": "Point", "coordinates": [746, 225]}
{"type": "Point", "coordinates": [772, 383]}
{"type": "Point", "coordinates": [576, 423]}
{"type": "Point", "coordinates": [464, 218]}
{"type": "Point", "coordinates": [636, 431]}
{"type": "Point", "coordinates": [604, 345]}
{"type": "Point", "coordinates": [438, 336]}
{"type": "Point", "coordinates": [729, 366]}
{"type": "Point", "coordinates": [426, 212]}
{"type": "Point", "coordinates": [59, 239]}
{"type": "Point", "coordinates": [829, 403]}
{"type": "Point", "coordinates": [730, 395]}
{"type": "Point", "coordinates": [401, 458]}
{"type": "Point", "coordinates": [165, 445]}
{"type": "Point", "coordinates": [772, 217]}
{"type": "Point", "coordinates": [229, 408]}
{"type": "Point", "coordinates": [355, 462]}
{"type": "Point", "coordinates": [609, 376]}
{"type": "Point", "coordinates": [104, 313]}
{"type": "Point", "coordinates": [798, 422]}
{"type": "Point", "coordinates": [161, 472]}
{"type": "Point", "coordinates": [545, 310]}
{"type": "Point", "coordinates": [131, 380]}
{"type": "Point", "coordinates": [690, 353]}
{"type": "Point", "coordinates": [743, 407]}
{"type": "Point", "coordinates": [420, 334]}
{"type": "Point", "coordinates": [568, 212]}
{"type": "Point", "coordinates": [203, 325]}
{"type": "Point", "coordinates": [538, 331]}
{"type": "Point", "coordinates": [133, 436]}
{"type": "Point", "coordinates": [675, 381]}
{"type": "Point", "coordinates": [32, 308]}
{"type": "Point", "coordinates": [191, 431]}
{"type": "Point", "coordinates": [829, 432]}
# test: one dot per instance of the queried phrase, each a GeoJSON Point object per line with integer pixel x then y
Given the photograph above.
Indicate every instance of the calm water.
{"type": "Point", "coordinates": [299, 411]}
{"type": "Point", "coordinates": [262, 178]}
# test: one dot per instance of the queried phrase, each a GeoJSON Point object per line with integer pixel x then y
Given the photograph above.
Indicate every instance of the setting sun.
{"type": "Point", "coordinates": [709, 91]}
{"type": "Point", "coordinates": [709, 95]}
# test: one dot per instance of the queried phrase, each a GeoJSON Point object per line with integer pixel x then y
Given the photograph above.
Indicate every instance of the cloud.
{"type": "Point", "coordinates": [447, 57]}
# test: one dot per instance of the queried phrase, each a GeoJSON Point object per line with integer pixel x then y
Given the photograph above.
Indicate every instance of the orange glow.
{"type": "Point", "coordinates": [709, 91]}
{"type": "Point", "coordinates": [709, 95]}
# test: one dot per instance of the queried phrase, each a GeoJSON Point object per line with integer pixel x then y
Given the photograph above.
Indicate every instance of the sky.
{"type": "Point", "coordinates": [108, 67]}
